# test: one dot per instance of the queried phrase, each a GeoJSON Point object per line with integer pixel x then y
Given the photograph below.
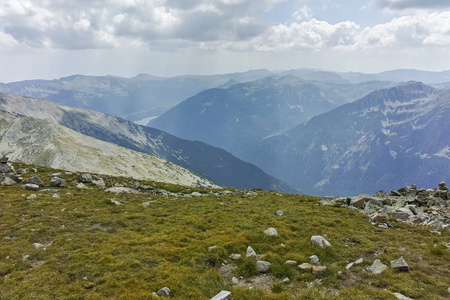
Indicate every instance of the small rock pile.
{"type": "Point", "coordinates": [9, 176]}
{"type": "Point", "coordinates": [408, 204]}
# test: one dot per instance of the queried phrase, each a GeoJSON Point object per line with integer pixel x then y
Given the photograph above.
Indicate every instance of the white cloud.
{"type": "Point", "coordinates": [303, 13]}
{"type": "Point", "coordinates": [411, 4]}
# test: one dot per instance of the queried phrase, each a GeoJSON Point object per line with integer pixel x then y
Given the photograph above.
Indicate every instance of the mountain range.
{"type": "Point", "coordinates": [234, 118]}
{"type": "Point", "coordinates": [391, 137]}
{"type": "Point", "coordinates": [213, 163]}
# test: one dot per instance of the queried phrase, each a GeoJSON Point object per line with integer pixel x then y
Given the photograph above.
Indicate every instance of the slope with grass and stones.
{"type": "Point", "coordinates": [77, 243]}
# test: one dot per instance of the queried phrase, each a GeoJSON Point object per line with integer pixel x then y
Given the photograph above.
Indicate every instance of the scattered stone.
{"type": "Point", "coordinates": [235, 256]}
{"type": "Point", "coordinates": [400, 264]}
{"type": "Point", "coordinates": [234, 280]}
{"type": "Point", "coordinates": [8, 181]}
{"type": "Point", "coordinates": [35, 180]}
{"type": "Point", "coordinates": [271, 231]}
{"type": "Point", "coordinates": [56, 196]}
{"type": "Point", "coordinates": [305, 266]}
{"type": "Point", "coordinates": [402, 297]}
{"type": "Point", "coordinates": [31, 197]}
{"type": "Point", "coordinates": [38, 245]}
{"type": "Point", "coordinates": [223, 295]}
{"type": "Point", "coordinates": [121, 190]}
{"type": "Point", "coordinates": [82, 186]}
{"type": "Point", "coordinates": [320, 241]}
{"type": "Point", "coordinates": [58, 182]}
{"type": "Point", "coordinates": [377, 267]}
{"type": "Point", "coordinates": [86, 178]}
{"type": "Point", "coordinates": [164, 292]}
{"type": "Point", "coordinates": [314, 259]}
{"type": "Point", "coordinates": [115, 202]}
{"type": "Point", "coordinates": [30, 187]}
{"type": "Point", "coordinates": [99, 183]}
{"type": "Point", "coordinates": [196, 194]}
{"type": "Point", "coordinates": [262, 266]}
{"type": "Point", "coordinates": [318, 269]}
{"type": "Point", "coordinates": [286, 280]}
{"type": "Point", "coordinates": [250, 252]}
{"type": "Point", "coordinates": [279, 212]}
{"type": "Point", "coordinates": [290, 262]}
{"type": "Point", "coordinates": [210, 249]}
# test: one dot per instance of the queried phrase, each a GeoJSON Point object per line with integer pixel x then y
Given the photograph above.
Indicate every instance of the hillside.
{"type": "Point", "coordinates": [213, 163]}
{"type": "Point", "coordinates": [45, 143]}
{"type": "Point", "coordinates": [392, 137]}
{"type": "Point", "coordinates": [244, 114]}
{"type": "Point", "coordinates": [66, 243]}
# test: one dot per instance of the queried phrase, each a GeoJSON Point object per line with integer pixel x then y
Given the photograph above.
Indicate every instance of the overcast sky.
{"type": "Point", "coordinates": [50, 39]}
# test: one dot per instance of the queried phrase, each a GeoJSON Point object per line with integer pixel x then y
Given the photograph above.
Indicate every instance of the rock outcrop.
{"type": "Point", "coordinates": [409, 204]}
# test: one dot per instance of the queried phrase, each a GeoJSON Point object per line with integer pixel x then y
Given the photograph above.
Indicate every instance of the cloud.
{"type": "Point", "coordinates": [112, 23]}
{"type": "Point", "coordinates": [303, 13]}
{"type": "Point", "coordinates": [409, 4]}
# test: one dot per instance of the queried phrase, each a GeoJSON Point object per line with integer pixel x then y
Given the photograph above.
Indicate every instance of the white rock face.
{"type": "Point", "coordinates": [320, 241]}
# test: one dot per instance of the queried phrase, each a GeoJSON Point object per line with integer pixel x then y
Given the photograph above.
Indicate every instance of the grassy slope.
{"type": "Point", "coordinates": [129, 251]}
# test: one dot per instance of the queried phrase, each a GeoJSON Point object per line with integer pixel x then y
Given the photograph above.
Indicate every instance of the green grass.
{"type": "Point", "coordinates": [98, 250]}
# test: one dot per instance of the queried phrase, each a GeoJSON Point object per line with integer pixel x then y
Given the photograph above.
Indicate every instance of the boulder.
{"type": "Point", "coordinates": [358, 201]}
{"type": "Point", "coordinates": [81, 186]}
{"type": "Point", "coordinates": [443, 186]}
{"type": "Point", "coordinates": [377, 267]}
{"type": "Point", "coordinates": [30, 187]}
{"type": "Point", "coordinates": [290, 262]}
{"type": "Point", "coordinates": [164, 292]}
{"type": "Point", "coordinates": [314, 259]}
{"type": "Point", "coordinates": [99, 183]}
{"type": "Point", "coordinates": [235, 256]}
{"type": "Point", "coordinates": [318, 269]}
{"type": "Point", "coordinates": [320, 241]}
{"type": "Point", "coordinates": [250, 252]}
{"type": "Point", "coordinates": [7, 181]}
{"type": "Point", "coordinates": [223, 295]}
{"type": "Point", "coordinates": [262, 266]}
{"type": "Point", "coordinates": [35, 180]}
{"type": "Point", "coordinates": [86, 178]}
{"type": "Point", "coordinates": [305, 266]}
{"type": "Point", "coordinates": [196, 194]}
{"type": "Point", "coordinates": [402, 297]}
{"type": "Point", "coordinates": [400, 264]}
{"type": "Point", "coordinates": [58, 182]}
{"type": "Point", "coordinates": [271, 231]}
{"type": "Point", "coordinates": [31, 197]}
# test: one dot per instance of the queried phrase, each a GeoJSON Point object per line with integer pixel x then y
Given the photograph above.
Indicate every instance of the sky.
{"type": "Point", "coordinates": [49, 39]}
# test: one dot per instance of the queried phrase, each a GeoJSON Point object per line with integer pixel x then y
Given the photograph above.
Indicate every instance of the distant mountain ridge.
{"type": "Point", "coordinates": [213, 163]}
{"type": "Point", "coordinates": [236, 117]}
{"type": "Point", "coordinates": [391, 137]}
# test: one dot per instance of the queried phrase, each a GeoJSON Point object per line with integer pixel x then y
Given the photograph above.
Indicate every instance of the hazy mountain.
{"type": "Point", "coordinates": [399, 76]}
{"type": "Point", "coordinates": [392, 137]}
{"type": "Point", "coordinates": [214, 163]}
{"type": "Point", "coordinates": [42, 142]}
{"type": "Point", "coordinates": [243, 114]}
{"type": "Point", "coordinates": [131, 98]}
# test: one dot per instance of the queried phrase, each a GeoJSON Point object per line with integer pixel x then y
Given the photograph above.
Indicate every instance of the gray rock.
{"type": "Point", "coordinates": [121, 190]}
{"type": "Point", "coordinates": [99, 183]}
{"type": "Point", "coordinates": [31, 197]}
{"type": "Point", "coordinates": [196, 194]}
{"type": "Point", "coordinates": [290, 262]}
{"type": "Point", "coordinates": [358, 201]}
{"type": "Point", "coordinates": [56, 196]}
{"type": "Point", "coordinates": [286, 280]}
{"type": "Point", "coordinates": [211, 248]}
{"type": "Point", "coordinates": [35, 180]}
{"type": "Point", "coordinates": [58, 182]}
{"type": "Point", "coordinates": [271, 231]}
{"type": "Point", "coordinates": [51, 191]}
{"type": "Point", "coordinates": [318, 269]}
{"type": "Point", "coordinates": [443, 186]}
{"type": "Point", "coordinates": [30, 187]}
{"type": "Point", "coordinates": [279, 212]}
{"type": "Point", "coordinates": [320, 241]}
{"type": "Point", "coordinates": [250, 252]}
{"type": "Point", "coordinates": [82, 186]}
{"type": "Point", "coordinates": [8, 181]}
{"type": "Point", "coordinates": [377, 267]}
{"type": "Point", "coordinates": [234, 280]}
{"type": "Point", "coordinates": [262, 266]}
{"type": "Point", "coordinates": [38, 245]}
{"type": "Point", "coordinates": [164, 292]}
{"type": "Point", "coordinates": [115, 202]}
{"type": "Point", "coordinates": [223, 295]}
{"type": "Point", "coordinates": [235, 256]}
{"type": "Point", "coordinates": [314, 259]}
{"type": "Point", "coordinates": [59, 175]}
{"type": "Point", "coordinates": [305, 266]}
{"type": "Point", "coordinates": [400, 264]}
{"type": "Point", "coordinates": [86, 178]}
{"type": "Point", "coordinates": [402, 297]}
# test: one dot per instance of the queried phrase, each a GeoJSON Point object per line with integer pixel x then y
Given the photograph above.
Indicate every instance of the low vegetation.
{"type": "Point", "coordinates": [84, 246]}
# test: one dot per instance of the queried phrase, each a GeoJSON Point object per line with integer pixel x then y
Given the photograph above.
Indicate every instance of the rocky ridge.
{"type": "Point", "coordinates": [408, 204]}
